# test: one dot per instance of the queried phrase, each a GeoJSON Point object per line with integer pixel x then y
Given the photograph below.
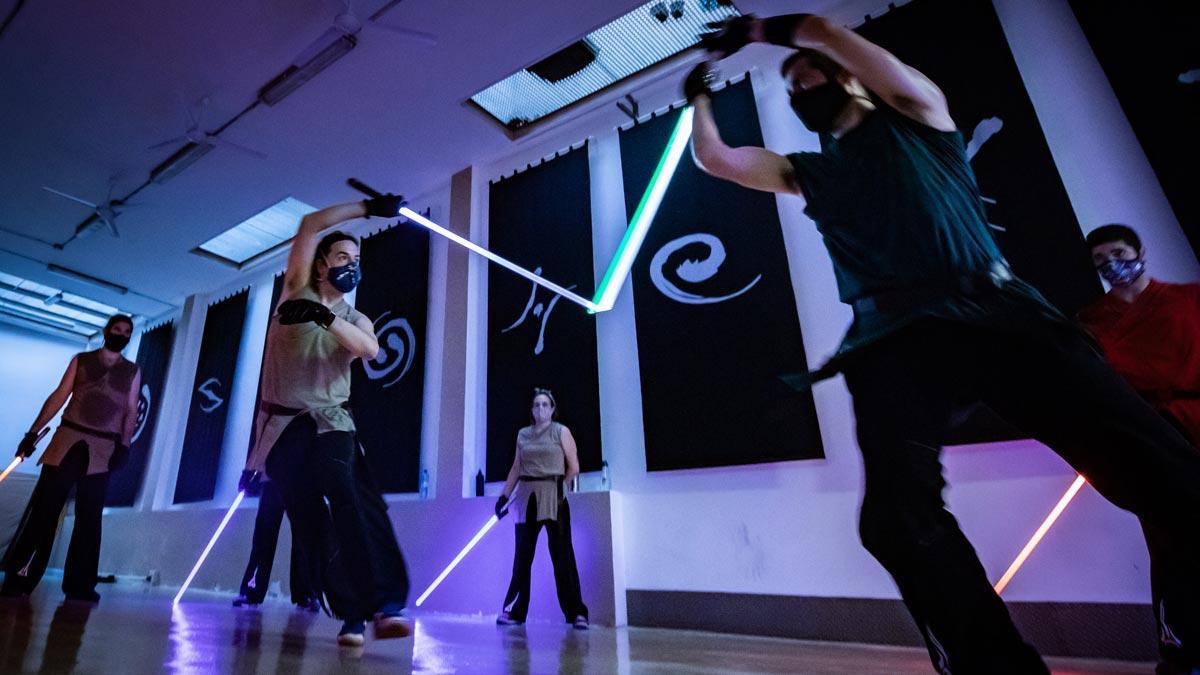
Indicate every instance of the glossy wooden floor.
{"type": "Point", "coordinates": [135, 630]}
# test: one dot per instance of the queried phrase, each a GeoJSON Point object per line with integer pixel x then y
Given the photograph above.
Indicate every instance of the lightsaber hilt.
{"type": "Point", "coordinates": [363, 188]}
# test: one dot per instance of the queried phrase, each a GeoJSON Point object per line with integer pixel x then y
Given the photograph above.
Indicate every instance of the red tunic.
{"type": "Point", "coordinates": [1154, 343]}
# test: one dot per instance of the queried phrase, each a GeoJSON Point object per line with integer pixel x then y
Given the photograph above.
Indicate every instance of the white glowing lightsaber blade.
{"type": "Point", "coordinates": [211, 542]}
{"type": "Point", "coordinates": [458, 558]}
{"type": "Point", "coordinates": [1040, 533]}
{"type": "Point", "coordinates": [12, 465]}
{"type": "Point", "coordinates": [635, 234]}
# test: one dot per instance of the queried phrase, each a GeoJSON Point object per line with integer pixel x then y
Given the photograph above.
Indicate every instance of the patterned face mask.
{"type": "Point", "coordinates": [344, 278]}
{"type": "Point", "coordinates": [1122, 273]}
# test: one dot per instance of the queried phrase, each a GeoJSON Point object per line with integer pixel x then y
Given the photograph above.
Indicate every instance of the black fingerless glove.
{"type": "Point", "coordinates": [384, 206]}
{"type": "Point", "coordinates": [28, 445]}
{"type": "Point", "coordinates": [501, 506]}
{"type": "Point", "coordinates": [250, 482]}
{"type": "Point", "coordinates": [300, 310]}
{"type": "Point", "coordinates": [728, 36]}
{"type": "Point", "coordinates": [699, 82]}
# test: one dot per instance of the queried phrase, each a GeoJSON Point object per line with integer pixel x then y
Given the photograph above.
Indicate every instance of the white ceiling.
{"type": "Point", "coordinates": [85, 88]}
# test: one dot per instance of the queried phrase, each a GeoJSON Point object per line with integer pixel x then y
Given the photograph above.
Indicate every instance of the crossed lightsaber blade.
{"type": "Point", "coordinates": [21, 458]}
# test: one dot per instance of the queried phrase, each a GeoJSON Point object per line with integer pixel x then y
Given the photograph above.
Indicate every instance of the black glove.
{"type": "Point", "coordinates": [728, 36]}
{"type": "Point", "coordinates": [301, 311]}
{"type": "Point", "coordinates": [28, 445]}
{"type": "Point", "coordinates": [119, 457]}
{"type": "Point", "coordinates": [501, 506]}
{"type": "Point", "coordinates": [249, 482]}
{"type": "Point", "coordinates": [781, 30]}
{"type": "Point", "coordinates": [384, 206]}
{"type": "Point", "coordinates": [699, 81]}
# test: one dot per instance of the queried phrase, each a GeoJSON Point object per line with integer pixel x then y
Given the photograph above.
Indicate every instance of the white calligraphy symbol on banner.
{"type": "Point", "coordinates": [397, 346]}
{"type": "Point", "coordinates": [983, 132]}
{"type": "Point", "coordinates": [143, 412]}
{"type": "Point", "coordinates": [206, 389]}
{"type": "Point", "coordinates": [538, 310]}
{"type": "Point", "coordinates": [692, 271]}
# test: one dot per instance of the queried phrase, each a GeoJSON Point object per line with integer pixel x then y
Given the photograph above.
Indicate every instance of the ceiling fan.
{"type": "Point", "coordinates": [194, 134]}
{"type": "Point", "coordinates": [105, 213]}
{"type": "Point", "coordinates": [347, 23]}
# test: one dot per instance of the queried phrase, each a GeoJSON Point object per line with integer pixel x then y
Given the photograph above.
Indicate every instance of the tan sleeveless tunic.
{"type": "Point", "coordinates": [539, 455]}
{"type": "Point", "coordinates": [307, 369]}
{"type": "Point", "coordinates": [99, 403]}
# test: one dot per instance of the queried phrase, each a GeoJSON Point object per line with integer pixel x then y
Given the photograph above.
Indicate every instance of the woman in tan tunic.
{"type": "Point", "coordinates": [546, 458]}
{"type": "Point", "coordinates": [92, 439]}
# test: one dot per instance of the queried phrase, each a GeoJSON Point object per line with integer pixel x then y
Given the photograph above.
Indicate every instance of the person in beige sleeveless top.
{"type": "Point", "coordinates": [305, 439]}
{"type": "Point", "coordinates": [546, 458]}
{"type": "Point", "coordinates": [93, 438]}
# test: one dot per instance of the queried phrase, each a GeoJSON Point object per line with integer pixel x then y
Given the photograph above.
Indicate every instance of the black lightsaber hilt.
{"type": "Point", "coordinates": [363, 188]}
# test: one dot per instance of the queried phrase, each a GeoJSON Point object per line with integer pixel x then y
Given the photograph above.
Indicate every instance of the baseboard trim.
{"type": "Point", "coordinates": [1116, 631]}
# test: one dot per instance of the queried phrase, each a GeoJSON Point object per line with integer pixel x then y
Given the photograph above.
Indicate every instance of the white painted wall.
{"type": "Point", "coordinates": [31, 365]}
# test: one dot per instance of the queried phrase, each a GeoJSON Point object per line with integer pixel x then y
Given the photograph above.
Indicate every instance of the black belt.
{"type": "Point", "coordinates": [282, 410]}
{"type": "Point", "coordinates": [537, 479]}
{"type": "Point", "coordinates": [900, 300]}
{"type": "Point", "coordinates": [106, 435]}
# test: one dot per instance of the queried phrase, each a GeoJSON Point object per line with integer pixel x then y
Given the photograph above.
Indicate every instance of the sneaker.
{"type": "Point", "coordinates": [243, 601]}
{"type": "Point", "coordinates": [351, 634]}
{"type": "Point", "coordinates": [581, 622]}
{"type": "Point", "coordinates": [504, 619]}
{"type": "Point", "coordinates": [390, 625]}
{"type": "Point", "coordinates": [308, 605]}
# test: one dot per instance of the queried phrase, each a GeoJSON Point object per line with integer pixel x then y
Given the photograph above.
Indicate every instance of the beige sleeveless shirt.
{"type": "Point", "coordinates": [99, 403]}
{"type": "Point", "coordinates": [540, 455]}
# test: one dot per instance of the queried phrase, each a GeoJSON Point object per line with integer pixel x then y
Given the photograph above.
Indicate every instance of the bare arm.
{"type": "Point", "coordinates": [56, 399]}
{"type": "Point", "coordinates": [357, 337]}
{"type": "Point", "coordinates": [514, 474]}
{"type": "Point", "coordinates": [131, 409]}
{"type": "Point", "coordinates": [748, 166]}
{"type": "Point", "coordinates": [570, 451]}
{"type": "Point", "coordinates": [903, 87]}
{"type": "Point", "coordinates": [304, 244]}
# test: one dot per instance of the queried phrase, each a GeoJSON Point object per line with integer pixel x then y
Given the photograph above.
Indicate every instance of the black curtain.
{"type": "Point", "coordinates": [387, 392]}
{"type": "Point", "coordinates": [960, 45]}
{"type": "Point", "coordinates": [1151, 55]}
{"type": "Point", "coordinates": [154, 354]}
{"type": "Point", "coordinates": [541, 219]}
{"type": "Point", "coordinates": [200, 459]}
{"type": "Point", "coordinates": [716, 311]}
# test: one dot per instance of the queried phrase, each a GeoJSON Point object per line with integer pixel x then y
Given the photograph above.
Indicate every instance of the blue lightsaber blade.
{"type": "Point", "coordinates": [458, 558]}
{"type": "Point", "coordinates": [207, 549]}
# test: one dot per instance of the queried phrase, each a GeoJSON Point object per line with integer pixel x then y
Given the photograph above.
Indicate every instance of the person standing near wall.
{"type": "Point", "coordinates": [267, 521]}
{"type": "Point", "coordinates": [102, 387]}
{"type": "Point", "coordinates": [305, 433]}
{"type": "Point", "coordinates": [546, 458]}
{"type": "Point", "coordinates": [939, 320]}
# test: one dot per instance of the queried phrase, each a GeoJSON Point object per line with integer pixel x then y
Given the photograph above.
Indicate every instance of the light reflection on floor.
{"type": "Point", "coordinates": [135, 630]}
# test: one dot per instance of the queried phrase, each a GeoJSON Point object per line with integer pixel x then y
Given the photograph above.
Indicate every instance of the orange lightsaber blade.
{"type": "Point", "coordinates": [1041, 532]}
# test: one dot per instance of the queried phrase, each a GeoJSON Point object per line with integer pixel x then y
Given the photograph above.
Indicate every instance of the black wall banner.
{"type": "Point", "coordinates": [387, 394]}
{"type": "Point", "coordinates": [200, 459]}
{"type": "Point", "coordinates": [154, 354]}
{"type": "Point", "coordinates": [960, 45]}
{"type": "Point", "coordinates": [716, 312]}
{"type": "Point", "coordinates": [1151, 56]}
{"type": "Point", "coordinates": [542, 220]}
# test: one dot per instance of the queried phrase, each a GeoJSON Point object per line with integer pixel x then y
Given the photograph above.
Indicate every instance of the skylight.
{"type": "Point", "coordinates": [258, 234]}
{"type": "Point", "coordinates": [629, 44]}
{"type": "Point", "coordinates": [50, 307]}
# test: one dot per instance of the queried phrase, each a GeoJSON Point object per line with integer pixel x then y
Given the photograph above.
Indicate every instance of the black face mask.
{"type": "Point", "coordinates": [114, 342]}
{"type": "Point", "coordinates": [818, 108]}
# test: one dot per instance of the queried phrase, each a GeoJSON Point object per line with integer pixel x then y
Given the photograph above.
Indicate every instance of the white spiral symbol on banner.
{"type": "Point", "coordinates": [206, 389]}
{"type": "Point", "coordinates": [143, 412]}
{"type": "Point", "coordinates": [692, 271]}
{"type": "Point", "coordinates": [397, 345]}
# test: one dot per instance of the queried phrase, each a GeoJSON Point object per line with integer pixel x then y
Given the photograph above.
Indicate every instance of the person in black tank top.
{"type": "Point", "coordinates": [93, 439]}
{"type": "Point", "coordinates": [941, 321]}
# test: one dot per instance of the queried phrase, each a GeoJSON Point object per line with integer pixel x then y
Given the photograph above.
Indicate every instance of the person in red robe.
{"type": "Point", "coordinates": [1149, 329]}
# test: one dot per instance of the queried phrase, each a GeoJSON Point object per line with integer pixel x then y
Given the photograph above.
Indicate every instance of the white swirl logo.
{"type": "Point", "coordinates": [209, 389]}
{"type": "Point", "coordinates": [143, 412]}
{"type": "Point", "coordinates": [692, 271]}
{"type": "Point", "coordinates": [397, 346]}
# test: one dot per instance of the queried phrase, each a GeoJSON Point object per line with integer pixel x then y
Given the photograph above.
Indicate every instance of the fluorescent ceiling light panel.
{"type": "Point", "coordinates": [261, 232]}
{"type": "Point", "coordinates": [74, 313]}
{"type": "Point", "coordinates": [625, 46]}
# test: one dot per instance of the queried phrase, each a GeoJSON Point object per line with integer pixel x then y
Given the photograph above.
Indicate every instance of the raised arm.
{"type": "Point", "coordinates": [304, 244]}
{"type": "Point", "coordinates": [748, 166]}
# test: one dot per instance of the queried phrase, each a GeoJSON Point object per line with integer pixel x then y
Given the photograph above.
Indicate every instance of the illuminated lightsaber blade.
{"type": "Point", "coordinates": [18, 459]}
{"type": "Point", "coordinates": [1041, 532]}
{"type": "Point", "coordinates": [458, 558]}
{"type": "Point", "coordinates": [211, 542]}
{"type": "Point", "coordinates": [635, 234]}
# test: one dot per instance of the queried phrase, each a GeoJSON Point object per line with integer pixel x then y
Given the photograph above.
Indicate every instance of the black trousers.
{"type": "Point", "coordinates": [1048, 381]}
{"type": "Point", "coordinates": [562, 555]}
{"type": "Point", "coordinates": [351, 552]}
{"type": "Point", "coordinates": [267, 522]}
{"type": "Point", "coordinates": [29, 552]}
